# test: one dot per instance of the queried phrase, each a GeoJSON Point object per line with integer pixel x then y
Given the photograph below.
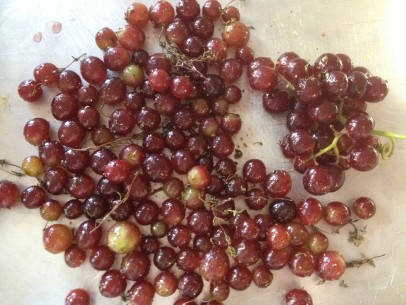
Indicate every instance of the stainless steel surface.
{"type": "Point", "coordinates": [370, 31]}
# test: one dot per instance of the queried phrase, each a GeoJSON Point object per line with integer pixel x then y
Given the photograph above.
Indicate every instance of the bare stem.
{"type": "Point", "coordinates": [4, 162]}
{"type": "Point", "coordinates": [182, 62]}
{"type": "Point", "coordinates": [118, 203]}
{"type": "Point", "coordinates": [359, 262]}
{"type": "Point", "coordinates": [114, 143]}
{"type": "Point", "coordinates": [74, 59]}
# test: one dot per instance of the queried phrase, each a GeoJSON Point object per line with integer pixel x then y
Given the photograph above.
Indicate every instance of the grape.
{"type": "Point", "coordinates": [190, 285]}
{"type": "Point", "coordinates": [179, 236]}
{"type": "Point", "coordinates": [116, 58]}
{"type": "Point", "coordinates": [359, 125]}
{"type": "Point", "coordinates": [256, 199]}
{"type": "Point", "coordinates": [137, 14]}
{"type": "Point", "coordinates": [376, 89]}
{"type": "Point", "coordinates": [88, 117]}
{"type": "Point", "coordinates": [203, 27]}
{"type": "Point", "coordinates": [117, 171]}
{"type": "Point", "coordinates": [330, 265]}
{"type": "Point", "coordinates": [357, 84]}
{"type": "Point", "coordinates": [317, 243]}
{"type": "Point", "coordinates": [72, 209]}
{"type": "Point", "coordinates": [298, 232]}
{"type": "Point", "coordinates": [93, 70]}
{"type": "Point", "coordinates": [214, 265]}
{"type": "Point", "coordinates": [327, 62]}
{"type": "Point", "coordinates": [164, 258]}
{"type": "Point", "coordinates": [88, 235]}
{"type": "Point", "coordinates": [363, 157]}
{"type": "Point", "coordinates": [283, 210]}
{"type": "Point", "coordinates": [275, 101]}
{"type": "Point", "coordinates": [46, 74]}
{"type": "Point", "coordinates": [364, 207]}
{"type": "Point", "coordinates": [130, 37]}
{"type": "Point", "coordinates": [135, 266]}
{"type": "Point", "coordinates": [177, 32]}
{"type": "Point", "coordinates": [165, 284]}
{"type": "Point", "coordinates": [30, 90]}
{"type": "Point", "coordinates": [106, 38]}
{"type": "Point", "coordinates": [123, 237]}
{"type": "Point", "coordinates": [36, 131]}
{"type": "Point", "coordinates": [236, 34]}
{"type": "Point", "coordinates": [71, 133]}
{"type": "Point", "coordinates": [94, 207]}
{"type": "Point", "coordinates": [57, 238]}
{"type": "Point", "coordinates": [278, 237]}
{"type": "Point", "coordinates": [112, 283]}
{"type": "Point", "coordinates": [74, 257]}
{"type": "Point", "coordinates": [69, 81]}
{"type": "Point", "coordinates": [77, 296]}
{"type": "Point", "coordinates": [188, 259]}
{"type": "Point", "coordinates": [277, 184]}
{"type": "Point", "coordinates": [298, 297]}
{"type": "Point", "coordinates": [51, 210]}
{"type": "Point", "coordinates": [187, 10]}
{"type": "Point", "coordinates": [247, 251]}
{"type": "Point", "coordinates": [212, 9]}
{"type": "Point", "coordinates": [141, 292]}
{"type": "Point", "coordinates": [219, 291]}
{"type": "Point", "coordinates": [121, 122]}
{"type": "Point", "coordinates": [146, 212]}
{"type": "Point", "coordinates": [336, 213]}
{"type": "Point", "coordinates": [275, 259]}
{"type": "Point", "coordinates": [317, 180]}
{"type": "Point", "coordinates": [302, 263]}
{"type": "Point", "coordinates": [239, 277]}
{"type": "Point", "coordinates": [9, 194]}
{"type": "Point", "coordinates": [32, 197]}
{"type": "Point", "coordinates": [101, 258]}
{"type": "Point", "coordinates": [200, 221]}
{"type": "Point", "coordinates": [309, 211]}
{"type": "Point", "coordinates": [262, 276]}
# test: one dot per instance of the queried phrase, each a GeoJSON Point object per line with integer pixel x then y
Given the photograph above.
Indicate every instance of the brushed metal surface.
{"type": "Point", "coordinates": [370, 31]}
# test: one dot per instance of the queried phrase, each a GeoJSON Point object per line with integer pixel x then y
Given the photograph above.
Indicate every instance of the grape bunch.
{"type": "Point", "coordinates": [330, 130]}
{"type": "Point", "coordinates": [147, 140]}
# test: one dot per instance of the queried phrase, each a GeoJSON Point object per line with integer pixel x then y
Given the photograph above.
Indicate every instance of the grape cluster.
{"type": "Point", "coordinates": [330, 130]}
{"type": "Point", "coordinates": [163, 123]}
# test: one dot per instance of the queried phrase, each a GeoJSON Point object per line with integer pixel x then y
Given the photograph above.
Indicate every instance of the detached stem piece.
{"type": "Point", "coordinates": [4, 162]}
{"type": "Point", "coordinates": [181, 61]}
{"type": "Point", "coordinates": [359, 262]}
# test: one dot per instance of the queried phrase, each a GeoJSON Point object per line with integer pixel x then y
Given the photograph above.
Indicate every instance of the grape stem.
{"type": "Point", "coordinates": [333, 145]}
{"type": "Point", "coordinates": [181, 61]}
{"type": "Point", "coordinates": [74, 59]}
{"type": "Point", "coordinates": [230, 249]}
{"type": "Point", "coordinates": [389, 134]}
{"type": "Point", "coordinates": [159, 189]}
{"type": "Point", "coordinates": [359, 262]}
{"type": "Point", "coordinates": [118, 203]}
{"type": "Point", "coordinates": [114, 143]}
{"type": "Point", "coordinates": [386, 150]}
{"type": "Point", "coordinates": [4, 162]}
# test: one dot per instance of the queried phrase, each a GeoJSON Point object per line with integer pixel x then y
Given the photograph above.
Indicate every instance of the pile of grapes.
{"type": "Point", "coordinates": [135, 125]}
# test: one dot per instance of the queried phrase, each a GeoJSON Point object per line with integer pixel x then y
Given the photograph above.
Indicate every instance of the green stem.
{"type": "Point", "coordinates": [332, 145]}
{"type": "Point", "coordinates": [389, 134]}
{"type": "Point", "coordinates": [340, 116]}
{"type": "Point", "coordinates": [386, 150]}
